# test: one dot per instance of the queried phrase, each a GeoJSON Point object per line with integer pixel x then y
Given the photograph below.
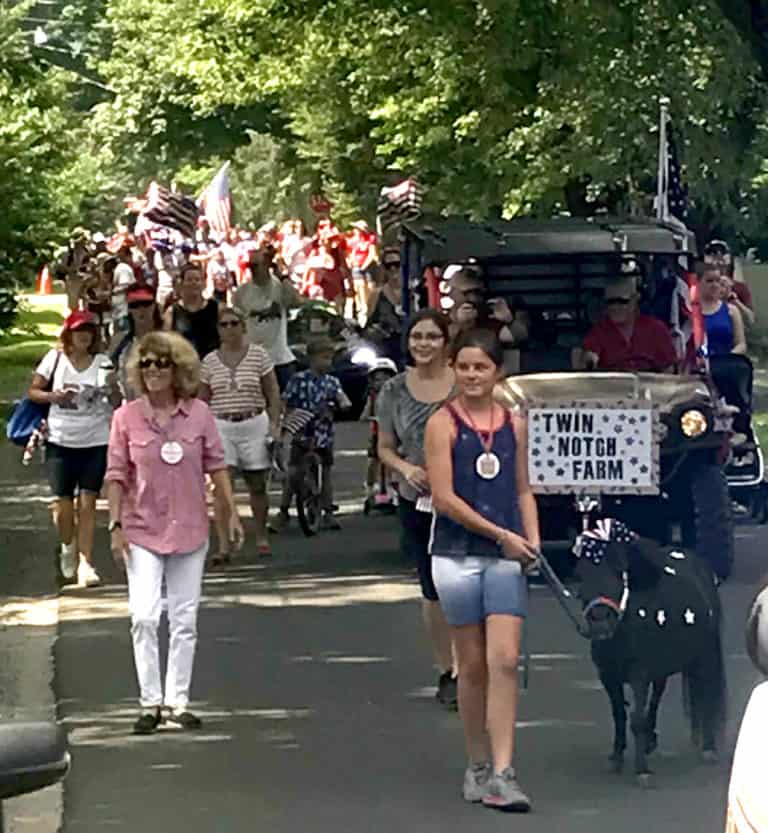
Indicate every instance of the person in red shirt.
{"type": "Point", "coordinates": [361, 256]}
{"type": "Point", "coordinates": [625, 339]}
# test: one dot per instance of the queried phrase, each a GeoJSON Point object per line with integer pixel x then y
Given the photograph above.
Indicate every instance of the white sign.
{"type": "Point", "coordinates": [579, 447]}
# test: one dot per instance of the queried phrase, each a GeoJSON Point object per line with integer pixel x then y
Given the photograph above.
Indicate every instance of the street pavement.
{"type": "Point", "coordinates": [315, 687]}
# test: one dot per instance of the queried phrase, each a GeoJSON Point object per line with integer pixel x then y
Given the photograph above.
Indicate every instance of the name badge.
{"type": "Point", "coordinates": [172, 453]}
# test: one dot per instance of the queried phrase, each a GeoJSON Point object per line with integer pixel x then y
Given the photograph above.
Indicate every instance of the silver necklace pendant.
{"type": "Point", "coordinates": [488, 465]}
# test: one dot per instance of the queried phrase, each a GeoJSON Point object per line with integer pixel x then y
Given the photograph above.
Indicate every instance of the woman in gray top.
{"type": "Point", "coordinates": [404, 405]}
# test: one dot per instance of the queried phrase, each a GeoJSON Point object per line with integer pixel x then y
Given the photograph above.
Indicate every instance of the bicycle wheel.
{"type": "Point", "coordinates": [308, 496]}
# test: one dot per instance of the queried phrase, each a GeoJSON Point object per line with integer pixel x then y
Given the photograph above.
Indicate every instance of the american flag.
{"type": "Point", "coordinates": [677, 192]}
{"type": "Point", "coordinates": [166, 208]}
{"type": "Point", "coordinates": [216, 201]}
{"type": "Point", "coordinates": [399, 204]}
{"type": "Point", "coordinates": [672, 193]}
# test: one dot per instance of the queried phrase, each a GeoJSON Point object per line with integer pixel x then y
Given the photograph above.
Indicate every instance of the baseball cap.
{"type": "Point", "coordinates": [139, 292]}
{"type": "Point", "coordinates": [360, 225]}
{"type": "Point", "coordinates": [383, 363]}
{"type": "Point", "coordinates": [77, 319]}
{"type": "Point", "coordinates": [624, 287]}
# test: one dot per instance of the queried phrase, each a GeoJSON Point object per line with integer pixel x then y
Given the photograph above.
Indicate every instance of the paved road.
{"type": "Point", "coordinates": [314, 684]}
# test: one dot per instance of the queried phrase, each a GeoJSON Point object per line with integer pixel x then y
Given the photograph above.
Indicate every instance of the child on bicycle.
{"type": "Point", "coordinates": [317, 392]}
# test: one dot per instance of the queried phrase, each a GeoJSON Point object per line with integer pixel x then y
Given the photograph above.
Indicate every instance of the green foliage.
{"type": "Point", "coordinates": [500, 107]}
{"type": "Point", "coordinates": [268, 182]}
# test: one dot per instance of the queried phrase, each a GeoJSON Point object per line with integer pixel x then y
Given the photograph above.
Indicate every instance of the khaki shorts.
{"type": "Point", "coordinates": [245, 443]}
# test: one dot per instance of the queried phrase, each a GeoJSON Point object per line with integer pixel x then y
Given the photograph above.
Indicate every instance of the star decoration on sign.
{"type": "Point", "coordinates": [689, 616]}
{"type": "Point", "coordinates": [661, 618]}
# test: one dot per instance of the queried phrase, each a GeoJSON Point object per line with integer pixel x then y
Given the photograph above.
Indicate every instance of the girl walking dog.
{"type": "Point", "coordinates": [485, 536]}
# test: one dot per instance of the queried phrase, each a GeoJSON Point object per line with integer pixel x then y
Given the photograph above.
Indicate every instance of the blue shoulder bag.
{"type": "Point", "coordinates": [27, 415]}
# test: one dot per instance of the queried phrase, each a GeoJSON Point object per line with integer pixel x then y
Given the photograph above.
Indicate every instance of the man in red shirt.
{"type": "Point", "coordinates": [624, 339]}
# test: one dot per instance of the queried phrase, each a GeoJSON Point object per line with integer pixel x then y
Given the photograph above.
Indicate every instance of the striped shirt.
{"type": "Point", "coordinates": [238, 390]}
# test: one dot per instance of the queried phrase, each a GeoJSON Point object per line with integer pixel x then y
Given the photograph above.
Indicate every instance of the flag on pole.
{"type": "Point", "coordinates": [672, 207]}
{"type": "Point", "coordinates": [672, 193]}
{"type": "Point", "coordinates": [216, 201]}
{"type": "Point", "coordinates": [398, 205]}
{"type": "Point", "coordinates": [167, 208]}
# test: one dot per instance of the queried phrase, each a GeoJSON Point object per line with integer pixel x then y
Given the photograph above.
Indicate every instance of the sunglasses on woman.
{"type": "Point", "coordinates": [140, 304]}
{"type": "Point", "coordinates": [161, 363]}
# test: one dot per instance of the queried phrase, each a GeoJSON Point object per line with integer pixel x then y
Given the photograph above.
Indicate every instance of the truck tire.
{"type": "Point", "coordinates": [707, 521]}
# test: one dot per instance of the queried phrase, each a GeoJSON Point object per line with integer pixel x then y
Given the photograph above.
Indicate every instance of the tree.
{"type": "Point", "coordinates": [38, 143]}
{"type": "Point", "coordinates": [501, 107]}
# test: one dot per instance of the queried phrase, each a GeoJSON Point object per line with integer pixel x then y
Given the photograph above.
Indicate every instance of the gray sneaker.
{"type": "Point", "coordinates": [476, 781]}
{"type": "Point", "coordinates": [504, 793]}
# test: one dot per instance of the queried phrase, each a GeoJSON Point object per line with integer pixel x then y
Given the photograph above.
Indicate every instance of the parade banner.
{"type": "Point", "coordinates": [583, 447]}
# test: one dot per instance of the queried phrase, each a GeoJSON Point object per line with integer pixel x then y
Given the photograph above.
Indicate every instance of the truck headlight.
{"type": "Point", "coordinates": [693, 423]}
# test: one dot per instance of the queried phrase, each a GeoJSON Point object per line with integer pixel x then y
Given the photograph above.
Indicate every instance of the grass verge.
{"type": "Point", "coordinates": [34, 332]}
{"type": "Point", "coordinates": [760, 424]}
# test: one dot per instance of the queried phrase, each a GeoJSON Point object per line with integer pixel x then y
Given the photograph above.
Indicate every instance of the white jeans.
{"type": "Point", "coordinates": [183, 581]}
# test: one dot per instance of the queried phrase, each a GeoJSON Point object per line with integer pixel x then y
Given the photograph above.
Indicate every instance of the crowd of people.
{"type": "Point", "coordinates": [191, 339]}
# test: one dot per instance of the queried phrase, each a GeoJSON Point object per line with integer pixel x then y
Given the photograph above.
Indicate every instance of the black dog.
{"type": "Point", "coordinates": [651, 612]}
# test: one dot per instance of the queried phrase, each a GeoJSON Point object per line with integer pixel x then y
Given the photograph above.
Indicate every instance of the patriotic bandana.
{"type": "Point", "coordinates": [593, 543]}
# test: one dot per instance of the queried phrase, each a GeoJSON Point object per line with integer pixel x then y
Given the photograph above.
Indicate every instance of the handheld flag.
{"type": "Point", "coordinates": [216, 201]}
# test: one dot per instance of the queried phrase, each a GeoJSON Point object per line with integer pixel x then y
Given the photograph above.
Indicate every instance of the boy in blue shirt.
{"type": "Point", "coordinates": [314, 391]}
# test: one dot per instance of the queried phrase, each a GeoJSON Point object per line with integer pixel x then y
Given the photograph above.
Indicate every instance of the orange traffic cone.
{"type": "Point", "coordinates": [44, 282]}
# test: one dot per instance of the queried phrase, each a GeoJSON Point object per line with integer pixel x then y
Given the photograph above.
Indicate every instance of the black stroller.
{"type": "Point", "coordinates": [745, 470]}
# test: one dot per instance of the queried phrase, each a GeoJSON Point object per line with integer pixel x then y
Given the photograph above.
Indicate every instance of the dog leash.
{"type": "Point", "coordinates": [561, 592]}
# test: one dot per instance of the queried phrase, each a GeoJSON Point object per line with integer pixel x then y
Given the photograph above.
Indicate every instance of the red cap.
{"type": "Point", "coordinates": [139, 292]}
{"type": "Point", "coordinates": [79, 318]}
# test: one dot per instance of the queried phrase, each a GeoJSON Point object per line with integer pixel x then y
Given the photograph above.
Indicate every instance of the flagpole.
{"type": "Point", "coordinates": [662, 187]}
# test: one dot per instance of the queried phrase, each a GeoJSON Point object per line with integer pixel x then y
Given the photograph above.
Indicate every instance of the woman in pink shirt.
{"type": "Point", "coordinates": [160, 449]}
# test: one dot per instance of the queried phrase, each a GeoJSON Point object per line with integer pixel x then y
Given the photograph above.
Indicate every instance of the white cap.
{"type": "Point", "coordinates": [757, 631]}
{"type": "Point", "coordinates": [383, 364]}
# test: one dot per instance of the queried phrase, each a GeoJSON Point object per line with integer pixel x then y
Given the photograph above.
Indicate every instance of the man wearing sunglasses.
{"type": "Point", "coordinates": [625, 339]}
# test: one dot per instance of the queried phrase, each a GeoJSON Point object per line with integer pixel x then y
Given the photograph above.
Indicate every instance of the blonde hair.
{"type": "Point", "coordinates": [186, 363]}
